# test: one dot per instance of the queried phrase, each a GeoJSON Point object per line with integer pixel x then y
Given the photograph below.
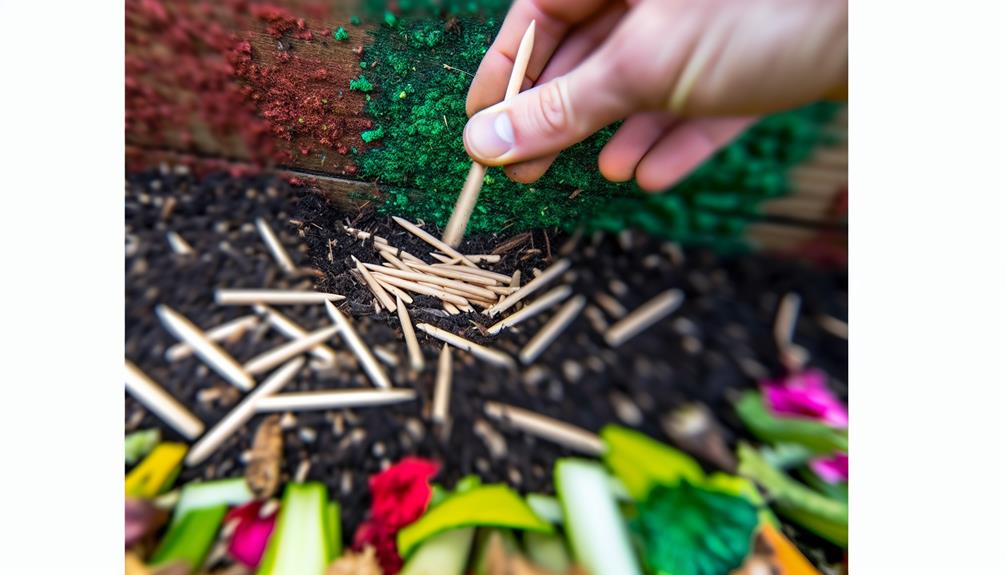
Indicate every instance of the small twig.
{"type": "Point", "coordinates": [565, 434]}
{"type": "Point", "coordinates": [552, 329]}
{"type": "Point", "coordinates": [644, 316]}
{"type": "Point", "coordinates": [162, 404]}
{"type": "Point", "coordinates": [327, 400]}
{"type": "Point", "coordinates": [206, 349]}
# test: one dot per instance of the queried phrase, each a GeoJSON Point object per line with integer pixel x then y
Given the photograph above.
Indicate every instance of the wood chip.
{"type": "Point", "coordinates": [565, 434]}
{"type": "Point", "coordinates": [327, 400]}
{"type": "Point", "coordinates": [480, 351]}
{"type": "Point", "coordinates": [554, 271]}
{"type": "Point", "coordinates": [287, 327]}
{"type": "Point", "coordinates": [415, 287]}
{"type": "Point", "coordinates": [416, 361]}
{"type": "Point", "coordinates": [432, 279]}
{"type": "Point", "coordinates": [546, 301]}
{"type": "Point", "coordinates": [379, 292]}
{"type": "Point", "coordinates": [273, 297]}
{"type": "Point", "coordinates": [277, 250]}
{"type": "Point", "coordinates": [270, 359]}
{"type": "Point", "coordinates": [360, 349]}
{"type": "Point", "coordinates": [265, 460]}
{"type": "Point", "coordinates": [426, 237]}
{"type": "Point", "coordinates": [242, 412]}
{"type": "Point", "coordinates": [552, 329]}
{"type": "Point", "coordinates": [229, 331]}
{"type": "Point", "coordinates": [161, 403]}
{"type": "Point", "coordinates": [207, 350]}
{"type": "Point", "coordinates": [442, 386]}
{"type": "Point", "coordinates": [179, 245]}
{"type": "Point", "coordinates": [644, 316]}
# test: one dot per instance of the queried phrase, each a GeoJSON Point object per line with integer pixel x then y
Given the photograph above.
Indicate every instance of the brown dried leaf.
{"type": "Point", "coordinates": [263, 471]}
{"type": "Point", "coordinates": [363, 563]}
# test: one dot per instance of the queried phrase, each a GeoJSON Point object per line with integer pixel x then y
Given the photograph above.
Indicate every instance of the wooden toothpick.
{"type": "Point", "coordinates": [358, 348]}
{"type": "Point", "coordinates": [223, 332]}
{"type": "Point", "coordinates": [276, 297]}
{"type": "Point", "coordinates": [442, 387]}
{"type": "Point", "coordinates": [551, 330]}
{"type": "Point", "coordinates": [162, 404]}
{"type": "Point", "coordinates": [411, 343]}
{"type": "Point", "coordinates": [563, 433]}
{"type": "Point", "coordinates": [276, 248]}
{"type": "Point", "coordinates": [643, 317]}
{"type": "Point", "coordinates": [469, 196]}
{"type": "Point", "coordinates": [214, 355]}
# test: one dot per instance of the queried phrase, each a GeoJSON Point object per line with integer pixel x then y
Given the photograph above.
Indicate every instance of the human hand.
{"type": "Point", "coordinates": [687, 76]}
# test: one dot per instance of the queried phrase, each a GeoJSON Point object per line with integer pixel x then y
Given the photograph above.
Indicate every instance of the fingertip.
{"type": "Point", "coordinates": [612, 168]}
{"type": "Point", "coordinates": [524, 173]}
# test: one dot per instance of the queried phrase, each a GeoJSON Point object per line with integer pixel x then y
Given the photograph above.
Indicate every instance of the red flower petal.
{"type": "Point", "coordinates": [400, 494]}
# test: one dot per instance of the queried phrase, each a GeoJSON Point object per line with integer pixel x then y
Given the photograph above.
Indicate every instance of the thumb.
{"type": "Point", "coordinates": [548, 118]}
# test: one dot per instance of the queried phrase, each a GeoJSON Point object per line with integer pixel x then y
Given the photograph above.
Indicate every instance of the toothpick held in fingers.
{"type": "Point", "coordinates": [162, 404]}
{"type": "Point", "coordinates": [273, 297]}
{"type": "Point", "coordinates": [480, 351]}
{"type": "Point", "coordinates": [469, 196]}
{"type": "Point", "coordinates": [551, 330]}
{"type": "Point", "coordinates": [242, 412]}
{"type": "Point", "coordinates": [275, 247]}
{"type": "Point", "coordinates": [207, 350]}
{"type": "Point", "coordinates": [442, 386]}
{"type": "Point", "coordinates": [229, 331]}
{"type": "Point", "coordinates": [563, 433]}
{"type": "Point", "coordinates": [643, 317]}
{"type": "Point", "coordinates": [327, 400]}
{"type": "Point", "coordinates": [358, 348]}
{"type": "Point", "coordinates": [270, 359]}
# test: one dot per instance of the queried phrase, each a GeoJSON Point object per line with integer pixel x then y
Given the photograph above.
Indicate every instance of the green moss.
{"type": "Point", "coordinates": [361, 84]}
{"type": "Point", "coordinates": [372, 135]}
{"type": "Point", "coordinates": [422, 163]}
{"type": "Point", "coordinates": [341, 34]}
{"type": "Point", "coordinates": [354, 20]}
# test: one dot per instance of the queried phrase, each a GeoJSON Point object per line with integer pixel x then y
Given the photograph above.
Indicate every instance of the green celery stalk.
{"type": "Point", "coordinates": [484, 506]}
{"type": "Point", "coordinates": [547, 551]}
{"type": "Point", "coordinates": [300, 543]}
{"type": "Point", "coordinates": [594, 525]}
{"type": "Point", "coordinates": [545, 506]}
{"type": "Point", "coordinates": [228, 492]}
{"type": "Point", "coordinates": [811, 434]}
{"type": "Point", "coordinates": [333, 529]}
{"type": "Point", "coordinates": [190, 539]}
{"type": "Point", "coordinates": [443, 554]}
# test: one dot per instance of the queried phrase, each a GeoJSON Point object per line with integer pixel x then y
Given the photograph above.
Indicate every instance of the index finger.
{"type": "Point", "coordinates": [554, 18]}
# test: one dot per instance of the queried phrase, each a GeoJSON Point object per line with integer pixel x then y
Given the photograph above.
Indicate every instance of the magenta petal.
{"type": "Point", "coordinates": [805, 394]}
{"type": "Point", "coordinates": [834, 469]}
{"type": "Point", "coordinates": [251, 535]}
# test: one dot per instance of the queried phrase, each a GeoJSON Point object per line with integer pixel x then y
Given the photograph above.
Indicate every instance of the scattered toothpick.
{"type": "Point", "coordinates": [358, 348]}
{"type": "Point", "coordinates": [224, 332]}
{"type": "Point", "coordinates": [287, 327]}
{"type": "Point", "coordinates": [411, 343]}
{"type": "Point", "coordinates": [565, 434]}
{"type": "Point", "coordinates": [554, 271]}
{"type": "Point", "coordinates": [469, 195]}
{"type": "Point", "coordinates": [547, 301]}
{"type": "Point", "coordinates": [480, 351]}
{"type": "Point", "coordinates": [273, 297]}
{"type": "Point", "coordinates": [206, 349]}
{"type": "Point", "coordinates": [275, 247]}
{"type": "Point", "coordinates": [442, 387]}
{"type": "Point", "coordinates": [270, 359]}
{"type": "Point", "coordinates": [428, 238]}
{"type": "Point", "coordinates": [159, 402]}
{"type": "Point", "coordinates": [643, 317]}
{"type": "Point", "coordinates": [327, 400]}
{"type": "Point", "coordinates": [379, 292]}
{"type": "Point", "coordinates": [415, 287]}
{"type": "Point", "coordinates": [242, 412]}
{"type": "Point", "coordinates": [179, 245]}
{"type": "Point", "coordinates": [834, 326]}
{"type": "Point", "coordinates": [551, 330]}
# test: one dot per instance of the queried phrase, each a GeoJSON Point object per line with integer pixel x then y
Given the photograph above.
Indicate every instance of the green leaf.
{"type": "Point", "coordinates": [642, 463]}
{"type": "Point", "coordinates": [300, 543]}
{"type": "Point", "coordinates": [814, 435]}
{"type": "Point", "coordinates": [826, 517]}
{"type": "Point", "coordinates": [191, 538]}
{"type": "Point", "coordinates": [139, 443]}
{"type": "Point", "coordinates": [490, 505]}
{"type": "Point", "coordinates": [686, 529]}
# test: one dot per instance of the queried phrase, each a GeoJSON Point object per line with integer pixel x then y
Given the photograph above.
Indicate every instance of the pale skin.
{"type": "Point", "coordinates": [687, 76]}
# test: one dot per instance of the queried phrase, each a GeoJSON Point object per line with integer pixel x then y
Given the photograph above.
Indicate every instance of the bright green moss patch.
{"type": "Point", "coordinates": [361, 84]}
{"type": "Point", "coordinates": [372, 135]}
{"type": "Point", "coordinates": [341, 34]}
{"type": "Point", "coordinates": [424, 68]}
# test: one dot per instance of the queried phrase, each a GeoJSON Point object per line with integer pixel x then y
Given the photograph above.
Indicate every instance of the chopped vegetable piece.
{"type": "Point", "coordinates": [594, 525]}
{"type": "Point", "coordinates": [333, 527]}
{"type": "Point", "coordinates": [547, 551]}
{"type": "Point", "coordinates": [139, 443]}
{"type": "Point", "coordinates": [826, 517]}
{"type": "Point", "coordinates": [142, 519]}
{"type": "Point", "coordinates": [641, 463]}
{"type": "Point", "coordinates": [155, 474]}
{"type": "Point", "coordinates": [685, 529]}
{"type": "Point", "coordinates": [789, 557]}
{"type": "Point", "coordinates": [190, 539]}
{"type": "Point", "coordinates": [300, 544]}
{"type": "Point", "coordinates": [227, 492]}
{"type": "Point", "coordinates": [134, 565]}
{"type": "Point", "coordinates": [443, 554]}
{"type": "Point", "coordinates": [251, 533]}
{"type": "Point", "coordinates": [545, 506]}
{"type": "Point", "coordinates": [812, 434]}
{"type": "Point", "coordinates": [489, 505]}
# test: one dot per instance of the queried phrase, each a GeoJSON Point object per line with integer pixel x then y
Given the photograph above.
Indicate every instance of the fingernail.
{"type": "Point", "coordinates": [489, 135]}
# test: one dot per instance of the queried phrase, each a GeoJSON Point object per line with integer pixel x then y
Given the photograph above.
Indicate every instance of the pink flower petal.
{"type": "Point", "coordinates": [251, 534]}
{"type": "Point", "coordinates": [834, 469]}
{"type": "Point", "coordinates": [806, 395]}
